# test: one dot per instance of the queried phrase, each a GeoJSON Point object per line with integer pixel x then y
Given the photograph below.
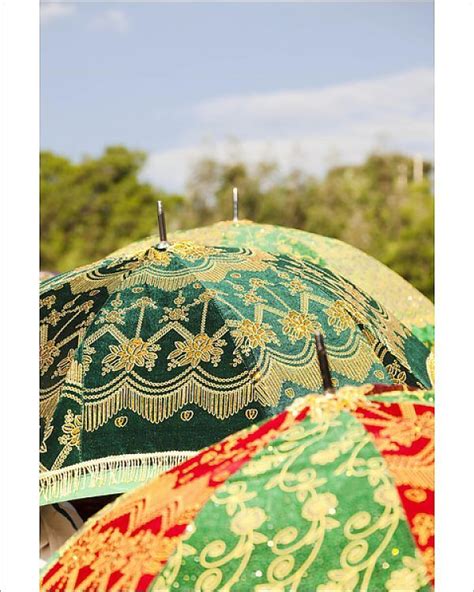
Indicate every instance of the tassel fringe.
{"type": "Point", "coordinates": [108, 473]}
{"type": "Point", "coordinates": [156, 408]}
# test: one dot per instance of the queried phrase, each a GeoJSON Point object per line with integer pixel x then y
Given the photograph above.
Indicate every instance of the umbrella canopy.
{"type": "Point", "coordinates": [335, 493]}
{"type": "Point", "coordinates": [387, 287]}
{"type": "Point", "coordinates": [148, 358]}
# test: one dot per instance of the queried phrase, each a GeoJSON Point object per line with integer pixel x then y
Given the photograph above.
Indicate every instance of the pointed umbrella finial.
{"type": "Point", "coordinates": [163, 244]}
{"type": "Point", "coordinates": [328, 386]}
{"type": "Point", "coordinates": [235, 202]}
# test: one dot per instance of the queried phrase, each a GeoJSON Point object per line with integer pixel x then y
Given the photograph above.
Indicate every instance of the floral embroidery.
{"type": "Point", "coordinates": [423, 527]}
{"type": "Point", "coordinates": [71, 429]}
{"type": "Point", "coordinates": [407, 430]}
{"type": "Point", "coordinates": [298, 325]}
{"type": "Point", "coordinates": [411, 577]}
{"type": "Point", "coordinates": [192, 251]}
{"type": "Point", "coordinates": [339, 317]}
{"type": "Point", "coordinates": [201, 348]}
{"type": "Point", "coordinates": [247, 520]}
{"type": "Point", "coordinates": [48, 351]}
{"type": "Point", "coordinates": [48, 301]}
{"type": "Point", "coordinates": [54, 317]}
{"type": "Point", "coordinates": [177, 313]}
{"type": "Point", "coordinates": [134, 352]}
{"type": "Point", "coordinates": [296, 286]}
{"type": "Point", "coordinates": [318, 506]}
{"type": "Point", "coordinates": [250, 334]}
{"type": "Point", "coordinates": [112, 316]}
{"type": "Point", "coordinates": [64, 364]}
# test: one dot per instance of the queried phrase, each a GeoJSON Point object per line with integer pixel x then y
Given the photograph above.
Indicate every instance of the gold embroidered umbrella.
{"type": "Point", "coordinates": [387, 287]}
{"type": "Point", "coordinates": [147, 358]}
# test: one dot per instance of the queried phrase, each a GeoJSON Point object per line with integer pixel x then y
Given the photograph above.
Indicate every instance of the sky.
{"type": "Point", "coordinates": [309, 85]}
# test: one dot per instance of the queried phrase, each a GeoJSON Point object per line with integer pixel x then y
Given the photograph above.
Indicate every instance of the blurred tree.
{"type": "Point", "coordinates": [94, 207]}
{"type": "Point", "coordinates": [91, 208]}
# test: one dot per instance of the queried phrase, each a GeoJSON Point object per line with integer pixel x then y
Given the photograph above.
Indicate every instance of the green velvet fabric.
{"type": "Point", "coordinates": [164, 353]}
{"type": "Point", "coordinates": [387, 287]}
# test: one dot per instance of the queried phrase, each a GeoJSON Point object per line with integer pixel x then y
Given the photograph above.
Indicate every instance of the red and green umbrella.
{"type": "Point", "coordinates": [333, 494]}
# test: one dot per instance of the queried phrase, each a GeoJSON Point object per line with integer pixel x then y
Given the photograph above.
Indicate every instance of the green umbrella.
{"type": "Point", "coordinates": [387, 287]}
{"type": "Point", "coordinates": [147, 358]}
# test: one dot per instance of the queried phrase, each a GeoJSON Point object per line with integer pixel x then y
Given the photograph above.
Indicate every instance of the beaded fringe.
{"type": "Point", "coordinates": [110, 471]}
{"type": "Point", "coordinates": [156, 408]}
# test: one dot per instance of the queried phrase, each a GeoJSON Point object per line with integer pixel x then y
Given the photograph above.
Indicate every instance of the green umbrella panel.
{"type": "Point", "coordinates": [148, 358]}
{"type": "Point", "coordinates": [387, 287]}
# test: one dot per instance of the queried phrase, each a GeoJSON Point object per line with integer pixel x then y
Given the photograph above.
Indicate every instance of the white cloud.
{"type": "Point", "coordinates": [52, 11]}
{"type": "Point", "coordinates": [111, 20]}
{"type": "Point", "coordinates": [304, 128]}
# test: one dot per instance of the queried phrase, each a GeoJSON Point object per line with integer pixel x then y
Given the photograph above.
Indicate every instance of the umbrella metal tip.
{"type": "Point", "coordinates": [163, 244]}
{"type": "Point", "coordinates": [235, 202]}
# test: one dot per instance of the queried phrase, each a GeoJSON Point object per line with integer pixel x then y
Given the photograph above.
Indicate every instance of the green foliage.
{"type": "Point", "coordinates": [94, 207]}
{"type": "Point", "coordinates": [91, 208]}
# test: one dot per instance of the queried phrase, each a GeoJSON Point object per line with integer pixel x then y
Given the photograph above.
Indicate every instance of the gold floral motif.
{"type": "Point", "coordinates": [112, 316]}
{"type": "Point", "coordinates": [53, 317]}
{"type": "Point", "coordinates": [423, 527]}
{"type": "Point", "coordinates": [134, 352]}
{"type": "Point", "coordinates": [416, 495]}
{"type": "Point", "coordinates": [48, 352]}
{"type": "Point", "coordinates": [296, 285]}
{"type": "Point", "coordinates": [407, 430]}
{"type": "Point", "coordinates": [318, 507]}
{"type": "Point", "coordinates": [64, 365]}
{"type": "Point", "coordinates": [201, 348]}
{"type": "Point", "coordinates": [411, 578]}
{"type": "Point", "coordinates": [177, 313]}
{"type": "Point", "coordinates": [71, 430]}
{"type": "Point", "coordinates": [339, 317]}
{"type": "Point", "coordinates": [192, 251]}
{"type": "Point", "coordinates": [48, 301]}
{"type": "Point", "coordinates": [247, 520]}
{"type": "Point", "coordinates": [299, 325]}
{"type": "Point", "coordinates": [250, 334]}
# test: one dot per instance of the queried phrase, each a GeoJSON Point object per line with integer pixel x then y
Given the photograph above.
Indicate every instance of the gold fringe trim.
{"type": "Point", "coordinates": [108, 472]}
{"type": "Point", "coordinates": [213, 269]}
{"type": "Point", "coordinates": [171, 281]}
{"type": "Point", "coordinates": [157, 408]}
{"type": "Point", "coordinates": [264, 386]}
